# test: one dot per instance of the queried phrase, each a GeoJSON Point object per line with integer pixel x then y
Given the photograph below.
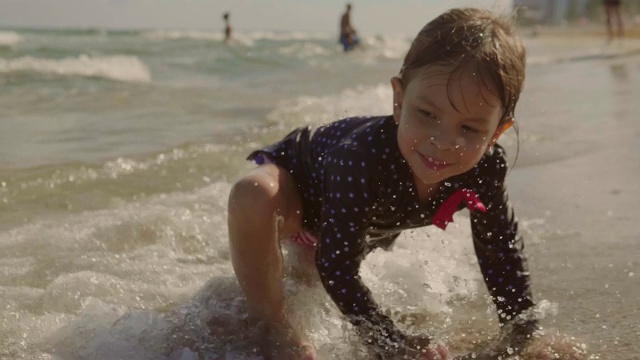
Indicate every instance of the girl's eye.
{"type": "Point", "coordinates": [426, 113]}
{"type": "Point", "coordinates": [469, 129]}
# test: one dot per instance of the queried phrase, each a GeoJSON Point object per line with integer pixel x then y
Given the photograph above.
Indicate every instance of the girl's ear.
{"type": "Point", "coordinates": [504, 126]}
{"type": "Point", "coordinates": [398, 92]}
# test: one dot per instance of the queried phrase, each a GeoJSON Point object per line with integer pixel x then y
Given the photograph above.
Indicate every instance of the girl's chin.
{"type": "Point", "coordinates": [431, 179]}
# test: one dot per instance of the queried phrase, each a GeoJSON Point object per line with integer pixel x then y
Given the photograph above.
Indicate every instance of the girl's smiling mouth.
{"type": "Point", "coordinates": [433, 163]}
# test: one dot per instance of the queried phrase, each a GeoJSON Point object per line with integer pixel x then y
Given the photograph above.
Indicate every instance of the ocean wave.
{"type": "Point", "coordinates": [390, 47]}
{"type": "Point", "coordinates": [119, 67]}
{"type": "Point", "coordinates": [374, 100]}
{"type": "Point", "coordinates": [248, 36]}
{"type": "Point", "coordinates": [9, 38]}
{"type": "Point", "coordinates": [288, 36]}
{"type": "Point", "coordinates": [247, 39]}
{"type": "Point", "coordinates": [183, 34]}
{"type": "Point", "coordinates": [198, 35]}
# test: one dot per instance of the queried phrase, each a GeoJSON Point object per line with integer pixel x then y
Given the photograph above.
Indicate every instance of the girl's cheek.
{"type": "Point", "coordinates": [426, 130]}
{"type": "Point", "coordinates": [474, 142]}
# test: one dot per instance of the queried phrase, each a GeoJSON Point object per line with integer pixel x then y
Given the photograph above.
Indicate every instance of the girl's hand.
{"type": "Point", "coordinates": [513, 339]}
{"type": "Point", "coordinates": [421, 348]}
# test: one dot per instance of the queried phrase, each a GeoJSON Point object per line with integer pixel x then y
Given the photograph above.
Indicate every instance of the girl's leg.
{"type": "Point", "coordinates": [303, 266]}
{"type": "Point", "coordinates": [619, 21]}
{"type": "Point", "coordinates": [264, 207]}
{"type": "Point", "coordinates": [609, 13]}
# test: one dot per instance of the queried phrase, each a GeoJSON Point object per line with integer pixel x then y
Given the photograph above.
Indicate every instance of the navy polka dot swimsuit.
{"type": "Point", "coordinates": [358, 194]}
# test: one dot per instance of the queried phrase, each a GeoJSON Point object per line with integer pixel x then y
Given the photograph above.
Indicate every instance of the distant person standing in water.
{"type": "Point", "coordinates": [227, 27]}
{"type": "Point", "coordinates": [613, 11]}
{"type": "Point", "coordinates": [348, 36]}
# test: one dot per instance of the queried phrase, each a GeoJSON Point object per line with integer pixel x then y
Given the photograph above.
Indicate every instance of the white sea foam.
{"type": "Point", "coordinates": [184, 34]}
{"type": "Point", "coordinates": [240, 38]}
{"type": "Point", "coordinates": [304, 50]}
{"type": "Point", "coordinates": [119, 67]}
{"type": "Point", "coordinates": [199, 35]}
{"type": "Point", "coordinates": [372, 47]}
{"type": "Point", "coordinates": [288, 36]}
{"type": "Point", "coordinates": [122, 263]}
{"type": "Point", "coordinates": [9, 38]}
{"type": "Point", "coordinates": [386, 46]}
{"type": "Point", "coordinates": [209, 35]}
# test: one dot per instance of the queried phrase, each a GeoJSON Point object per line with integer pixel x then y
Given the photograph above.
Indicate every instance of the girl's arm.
{"type": "Point", "coordinates": [499, 248]}
{"type": "Point", "coordinates": [341, 279]}
{"type": "Point", "coordinates": [346, 212]}
{"type": "Point", "coordinates": [499, 245]}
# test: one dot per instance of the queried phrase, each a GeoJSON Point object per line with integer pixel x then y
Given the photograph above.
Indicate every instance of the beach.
{"type": "Point", "coordinates": [118, 150]}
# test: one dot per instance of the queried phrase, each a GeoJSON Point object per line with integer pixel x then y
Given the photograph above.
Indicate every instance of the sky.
{"type": "Point", "coordinates": [368, 16]}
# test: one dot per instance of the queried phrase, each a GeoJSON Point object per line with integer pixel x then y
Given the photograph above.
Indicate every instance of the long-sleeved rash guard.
{"type": "Point", "coordinates": [358, 193]}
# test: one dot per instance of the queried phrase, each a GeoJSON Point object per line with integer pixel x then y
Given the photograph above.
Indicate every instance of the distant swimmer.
{"type": "Point", "coordinates": [613, 12]}
{"type": "Point", "coordinates": [227, 27]}
{"type": "Point", "coordinates": [348, 35]}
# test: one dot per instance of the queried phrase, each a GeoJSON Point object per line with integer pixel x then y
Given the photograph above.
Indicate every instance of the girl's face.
{"type": "Point", "coordinates": [437, 139]}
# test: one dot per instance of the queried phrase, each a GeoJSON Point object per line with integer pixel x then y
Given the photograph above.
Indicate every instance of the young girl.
{"type": "Point", "coordinates": [349, 187]}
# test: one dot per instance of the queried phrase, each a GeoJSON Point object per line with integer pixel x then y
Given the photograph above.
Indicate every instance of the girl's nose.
{"type": "Point", "coordinates": [445, 141]}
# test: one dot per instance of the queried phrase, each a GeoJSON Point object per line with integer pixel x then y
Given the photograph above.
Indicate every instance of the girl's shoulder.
{"type": "Point", "coordinates": [365, 144]}
{"type": "Point", "coordinates": [370, 132]}
{"type": "Point", "coordinates": [490, 173]}
{"type": "Point", "coordinates": [358, 125]}
{"type": "Point", "coordinates": [493, 163]}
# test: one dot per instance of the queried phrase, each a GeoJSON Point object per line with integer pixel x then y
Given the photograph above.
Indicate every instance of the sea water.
{"type": "Point", "coordinates": [118, 150]}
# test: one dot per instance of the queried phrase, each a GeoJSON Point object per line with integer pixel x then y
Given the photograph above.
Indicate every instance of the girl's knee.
{"type": "Point", "coordinates": [266, 194]}
{"type": "Point", "coordinates": [255, 193]}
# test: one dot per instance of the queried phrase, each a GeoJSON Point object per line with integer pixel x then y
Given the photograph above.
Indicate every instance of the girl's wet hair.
{"type": "Point", "coordinates": [473, 39]}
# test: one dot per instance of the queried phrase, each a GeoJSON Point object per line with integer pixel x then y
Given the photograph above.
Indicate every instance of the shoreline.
{"type": "Point", "coordinates": [594, 30]}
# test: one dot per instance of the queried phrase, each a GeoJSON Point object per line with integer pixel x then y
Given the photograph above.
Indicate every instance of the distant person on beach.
{"type": "Point", "coordinates": [227, 27]}
{"type": "Point", "coordinates": [339, 191]}
{"type": "Point", "coordinates": [614, 13]}
{"type": "Point", "coordinates": [348, 35]}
